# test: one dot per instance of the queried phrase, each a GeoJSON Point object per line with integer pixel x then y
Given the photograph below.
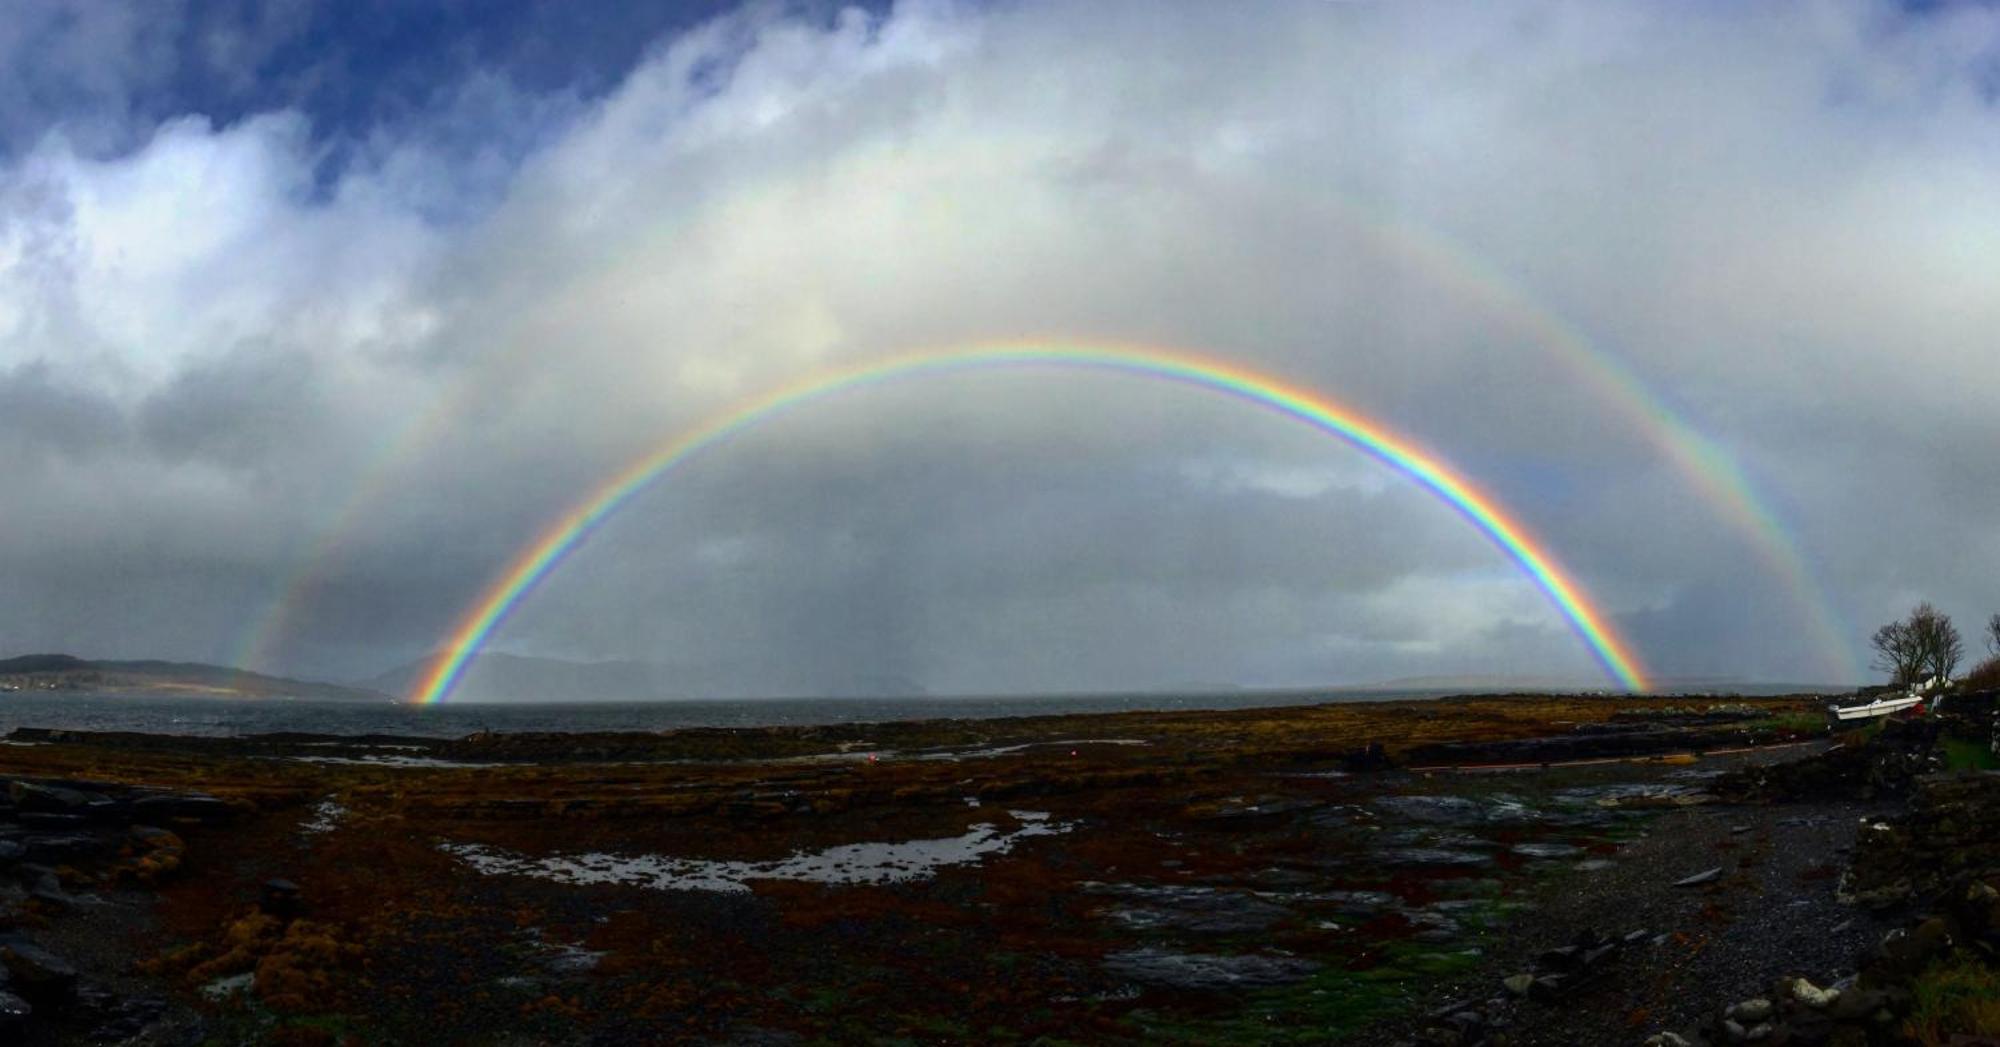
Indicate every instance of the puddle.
{"type": "Point", "coordinates": [1007, 750]}
{"type": "Point", "coordinates": [848, 864]}
{"type": "Point", "coordinates": [325, 818]}
{"type": "Point", "coordinates": [389, 761]}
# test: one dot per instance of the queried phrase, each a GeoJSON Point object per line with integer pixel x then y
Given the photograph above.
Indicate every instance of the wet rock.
{"type": "Point", "coordinates": [1433, 857]}
{"type": "Point", "coordinates": [62, 849]}
{"type": "Point", "coordinates": [39, 877]}
{"type": "Point", "coordinates": [1705, 876]}
{"type": "Point", "coordinates": [1547, 850]}
{"type": "Point", "coordinates": [1750, 1012]}
{"type": "Point", "coordinates": [50, 902]}
{"type": "Point", "coordinates": [40, 976]}
{"type": "Point", "coordinates": [1162, 967]}
{"type": "Point", "coordinates": [280, 898]}
{"type": "Point", "coordinates": [11, 851]}
{"type": "Point", "coordinates": [49, 820]}
{"type": "Point", "coordinates": [15, 1014]}
{"type": "Point", "coordinates": [1812, 995]}
{"type": "Point", "coordinates": [1667, 1039]}
{"type": "Point", "coordinates": [1562, 958]}
{"type": "Point", "coordinates": [53, 799]}
{"type": "Point", "coordinates": [1632, 795]}
{"type": "Point", "coordinates": [1432, 810]}
{"type": "Point", "coordinates": [1352, 904]}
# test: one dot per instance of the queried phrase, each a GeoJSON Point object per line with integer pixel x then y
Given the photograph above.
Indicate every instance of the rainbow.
{"type": "Point", "coordinates": [1705, 465]}
{"type": "Point", "coordinates": [547, 551]}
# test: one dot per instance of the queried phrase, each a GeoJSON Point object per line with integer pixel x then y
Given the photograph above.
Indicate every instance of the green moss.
{"type": "Point", "coordinates": [1329, 1005]}
{"type": "Point", "coordinates": [1967, 754]}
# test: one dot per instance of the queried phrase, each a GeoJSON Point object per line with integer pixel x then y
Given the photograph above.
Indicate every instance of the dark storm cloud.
{"type": "Point", "coordinates": [314, 314]}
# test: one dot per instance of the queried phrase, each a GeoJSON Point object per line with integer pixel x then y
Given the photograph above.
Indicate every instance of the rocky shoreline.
{"type": "Point", "coordinates": [1504, 870]}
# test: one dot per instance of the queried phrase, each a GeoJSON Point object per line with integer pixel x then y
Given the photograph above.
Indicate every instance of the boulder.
{"type": "Point", "coordinates": [15, 1014]}
{"type": "Point", "coordinates": [280, 898]}
{"type": "Point", "coordinates": [30, 796]}
{"type": "Point", "coordinates": [40, 976]}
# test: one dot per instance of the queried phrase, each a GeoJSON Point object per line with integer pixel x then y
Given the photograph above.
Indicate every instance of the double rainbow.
{"type": "Point", "coordinates": [1207, 374]}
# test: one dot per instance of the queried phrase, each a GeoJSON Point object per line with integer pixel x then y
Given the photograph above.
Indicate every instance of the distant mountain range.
{"type": "Point", "coordinates": [63, 672]}
{"type": "Point", "coordinates": [495, 677]}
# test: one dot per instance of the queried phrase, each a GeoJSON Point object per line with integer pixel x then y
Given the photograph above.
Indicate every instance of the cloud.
{"type": "Point", "coordinates": [270, 333]}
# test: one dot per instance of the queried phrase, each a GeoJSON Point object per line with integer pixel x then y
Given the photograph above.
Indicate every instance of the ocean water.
{"type": "Point", "coordinates": [239, 716]}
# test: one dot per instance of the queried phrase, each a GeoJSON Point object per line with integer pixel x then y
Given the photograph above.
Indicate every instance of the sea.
{"type": "Point", "coordinates": [227, 717]}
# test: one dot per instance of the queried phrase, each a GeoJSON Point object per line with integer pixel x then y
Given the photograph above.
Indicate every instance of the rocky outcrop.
{"type": "Point", "coordinates": [1888, 764]}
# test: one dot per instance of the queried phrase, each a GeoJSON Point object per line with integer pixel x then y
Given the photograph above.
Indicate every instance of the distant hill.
{"type": "Point", "coordinates": [65, 672]}
{"type": "Point", "coordinates": [495, 677]}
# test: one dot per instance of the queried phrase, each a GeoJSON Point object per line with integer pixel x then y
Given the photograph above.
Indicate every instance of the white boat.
{"type": "Point", "coordinates": [1883, 706]}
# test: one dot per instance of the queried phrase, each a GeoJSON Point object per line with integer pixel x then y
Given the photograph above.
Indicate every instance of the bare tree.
{"type": "Point", "coordinates": [1993, 634]}
{"type": "Point", "coordinates": [1942, 646]}
{"type": "Point", "coordinates": [1897, 652]}
{"type": "Point", "coordinates": [1919, 647]}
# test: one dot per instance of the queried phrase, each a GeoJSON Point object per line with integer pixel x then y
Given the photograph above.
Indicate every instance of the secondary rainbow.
{"type": "Point", "coordinates": [1709, 468]}
{"type": "Point", "coordinates": [542, 555]}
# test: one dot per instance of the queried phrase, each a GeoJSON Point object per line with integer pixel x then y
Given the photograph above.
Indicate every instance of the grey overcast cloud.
{"type": "Point", "coordinates": [312, 316]}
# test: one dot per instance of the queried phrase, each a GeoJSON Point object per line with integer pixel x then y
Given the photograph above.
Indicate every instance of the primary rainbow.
{"type": "Point", "coordinates": [547, 551]}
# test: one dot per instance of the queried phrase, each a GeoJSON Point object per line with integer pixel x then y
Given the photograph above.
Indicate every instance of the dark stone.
{"type": "Point", "coordinates": [1548, 987]}
{"type": "Point", "coordinates": [11, 851]}
{"type": "Point", "coordinates": [1434, 857]}
{"type": "Point", "coordinates": [15, 1014]}
{"type": "Point", "coordinates": [63, 849]}
{"type": "Point", "coordinates": [44, 820]}
{"type": "Point", "coordinates": [42, 977]}
{"type": "Point", "coordinates": [39, 877]}
{"type": "Point", "coordinates": [1559, 959]}
{"type": "Point", "coordinates": [1202, 971]}
{"type": "Point", "coordinates": [280, 898]}
{"type": "Point", "coordinates": [29, 796]}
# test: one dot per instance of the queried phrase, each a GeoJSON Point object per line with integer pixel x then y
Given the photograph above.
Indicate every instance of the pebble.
{"type": "Point", "coordinates": [1705, 876]}
{"type": "Point", "coordinates": [1752, 1011]}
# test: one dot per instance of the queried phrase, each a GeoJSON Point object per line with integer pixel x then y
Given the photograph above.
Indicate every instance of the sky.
{"type": "Point", "coordinates": [312, 314]}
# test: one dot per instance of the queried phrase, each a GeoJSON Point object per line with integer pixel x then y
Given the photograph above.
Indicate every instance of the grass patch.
{"type": "Point", "coordinates": [1966, 754]}
{"type": "Point", "coordinates": [1322, 1009]}
{"type": "Point", "coordinates": [1862, 735]}
{"type": "Point", "coordinates": [1791, 723]}
{"type": "Point", "coordinates": [1959, 998]}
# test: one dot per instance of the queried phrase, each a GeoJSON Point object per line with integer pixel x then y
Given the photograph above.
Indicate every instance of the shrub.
{"type": "Point", "coordinates": [1955, 999]}
{"type": "Point", "coordinates": [1984, 677]}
